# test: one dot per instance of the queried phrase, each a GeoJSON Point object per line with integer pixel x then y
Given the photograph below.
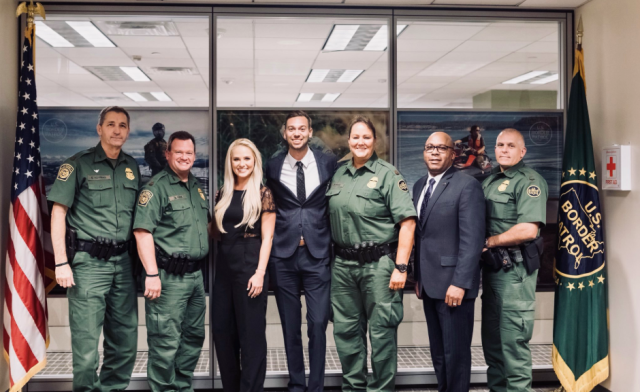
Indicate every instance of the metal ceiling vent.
{"type": "Point", "coordinates": [140, 28]}
{"type": "Point", "coordinates": [174, 70]}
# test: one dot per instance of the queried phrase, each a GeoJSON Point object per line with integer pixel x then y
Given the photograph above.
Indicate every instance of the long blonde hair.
{"type": "Point", "coordinates": [251, 200]}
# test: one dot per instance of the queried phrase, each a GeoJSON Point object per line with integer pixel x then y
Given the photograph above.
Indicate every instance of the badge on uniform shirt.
{"type": "Point", "coordinates": [201, 194]}
{"type": "Point", "coordinates": [129, 174]}
{"type": "Point", "coordinates": [534, 191]}
{"type": "Point", "coordinates": [402, 184]}
{"type": "Point", "coordinates": [373, 182]}
{"type": "Point", "coordinates": [144, 198]}
{"type": "Point", "coordinates": [503, 186]}
{"type": "Point", "coordinates": [65, 171]}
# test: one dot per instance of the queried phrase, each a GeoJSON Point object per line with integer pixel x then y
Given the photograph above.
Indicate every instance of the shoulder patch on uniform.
{"type": "Point", "coordinates": [402, 184]}
{"type": "Point", "coordinates": [534, 191]}
{"type": "Point", "coordinates": [65, 171]}
{"type": "Point", "coordinates": [144, 198]}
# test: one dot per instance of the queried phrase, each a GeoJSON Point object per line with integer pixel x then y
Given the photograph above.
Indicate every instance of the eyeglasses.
{"type": "Point", "coordinates": [441, 149]}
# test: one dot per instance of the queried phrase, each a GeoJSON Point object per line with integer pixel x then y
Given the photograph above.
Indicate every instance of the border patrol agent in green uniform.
{"type": "Point", "coordinates": [171, 228]}
{"type": "Point", "coordinates": [372, 226]}
{"type": "Point", "coordinates": [516, 202]}
{"type": "Point", "coordinates": [94, 198]}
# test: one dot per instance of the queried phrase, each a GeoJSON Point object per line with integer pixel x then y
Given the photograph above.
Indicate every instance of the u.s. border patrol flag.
{"type": "Point", "coordinates": [580, 335]}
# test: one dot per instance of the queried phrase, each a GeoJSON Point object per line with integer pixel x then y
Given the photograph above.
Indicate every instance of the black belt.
{"type": "Point", "coordinates": [176, 264]}
{"type": "Point", "coordinates": [367, 252]}
{"type": "Point", "coordinates": [102, 250]}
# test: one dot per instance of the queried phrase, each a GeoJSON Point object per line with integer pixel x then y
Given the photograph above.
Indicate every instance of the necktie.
{"type": "Point", "coordinates": [425, 201]}
{"type": "Point", "coordinates": [302, 193]}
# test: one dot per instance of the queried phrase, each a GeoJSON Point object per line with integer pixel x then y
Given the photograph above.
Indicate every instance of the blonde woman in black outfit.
{"type": "Point", "coordinates": [244, 223]}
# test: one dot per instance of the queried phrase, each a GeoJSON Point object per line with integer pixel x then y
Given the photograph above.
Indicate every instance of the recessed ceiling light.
{"type": "Point", "coordinates": [333, 75]}
{"type": "Point", "coordinates": [522, 78]}
{"type": "Point", "coordinates": [330, 97]}
{"type": "Point", "coordinates": [136, 74]}
{"type": "Point", "coordinates": [148, 28]}
{"type": "Point", "coordinates": [304, 97]}
{"type": "Point", "coordinates": [91, 34]}
{"type": "Point", "coordinates": [546, 80]}
{"type": "Point", "coordinates": [161, 96]}
{"type": "Point", "coordinates": [136, 97]}
{"type": "Point", "coordinates": [340, 37]}
{"type": "Point", "coordinates": [359, 37]}
{"type": "Point", "coordinates": [48, 35]}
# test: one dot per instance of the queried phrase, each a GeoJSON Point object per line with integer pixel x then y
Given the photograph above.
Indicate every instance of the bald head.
{"type": "Point", "coordinates": [510, 148]}
{"type": "Point", "coordinates": [438, 153]}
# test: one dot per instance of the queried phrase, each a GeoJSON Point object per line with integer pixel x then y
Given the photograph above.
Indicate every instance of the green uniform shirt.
{"type": "Point", "coordinates": [517, 195]}
{"type": "Point", "coordinates": [176, 213]}
{"type": "Point", "coordinates": [368, 203]}
{"type": "Point", "coordinates": [101, 196]}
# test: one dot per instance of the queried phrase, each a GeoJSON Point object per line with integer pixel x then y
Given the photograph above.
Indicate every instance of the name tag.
{"type": "Point", "coordinates": [337, 185]}
{"type": "Point", "coordinates": [95, 178]}
{"type": "Point", "coordinates": [177, 197]}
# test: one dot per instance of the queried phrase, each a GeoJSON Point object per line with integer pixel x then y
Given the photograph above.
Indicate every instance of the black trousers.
{"type": "Point", "coordinates": [290, 276]}
{"type": "Point", "coordinates": [239, 321]}
{"type": "Point", "coordinates": [450, 333]}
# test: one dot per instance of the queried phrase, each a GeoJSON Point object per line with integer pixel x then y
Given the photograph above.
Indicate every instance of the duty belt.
{"type": "Point", "coordinates": [102, 248]}
{"type": "Point", "coordinates": [177, 263]}
{"type": "Point", "coordinates": [367, 252]}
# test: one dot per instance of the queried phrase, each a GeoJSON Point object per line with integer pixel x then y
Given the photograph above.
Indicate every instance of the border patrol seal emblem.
{"type": "Point", "coordinates": [402, 184]}
{"type": "Point", "coordinates": [201, 194]}
{"type": "Point", "coordinates": [372, 182]}
{"type": "Point", "coordinates": [129, 174]}
{"type": "Point", "coordinates": [534, 191]}
{"type": "Point", "coordinates": [65, 171]}
{"type": "Point", "coordinates": [144, 198]}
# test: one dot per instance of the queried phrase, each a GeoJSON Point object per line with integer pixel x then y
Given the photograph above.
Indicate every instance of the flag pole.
{"type": "Point", "coordinates": [31, 10]}
{"type": "Point", "coordinates": [580, 33]}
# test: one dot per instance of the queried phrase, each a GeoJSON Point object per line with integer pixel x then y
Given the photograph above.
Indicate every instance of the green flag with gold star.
{"type": "Point", "coordinates": [580, 329]}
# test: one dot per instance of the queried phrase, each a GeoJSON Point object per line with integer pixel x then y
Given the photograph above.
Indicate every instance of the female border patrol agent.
{"type": "Point", "coordinates": [94, 197]}
{"type": "Point", "coordinates": [372, 225]}
{"type": "Point", "coordinates": [173, 213]}
{"type": "Point", "coordinates": [516, 198]}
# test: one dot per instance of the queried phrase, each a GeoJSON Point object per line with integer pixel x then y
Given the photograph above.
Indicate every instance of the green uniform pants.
{"type": "Point", "coordinates": [175, 331]}
{"type": "Point", "coordinates": [360, 295]}
{"type": "Point", "coordinates": [508, 310]}
{"type": "Point", "coordinates": [104, 295]}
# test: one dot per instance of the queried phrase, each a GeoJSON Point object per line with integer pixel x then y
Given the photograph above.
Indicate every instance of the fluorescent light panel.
{"type": "Point", "coordinates": [330, 97]}
{"type": "Point", "coordinates": [546, 80]}
{"type": "Point", "coordinates": [162, 97]}
{"type": "Point", "coordinates": [317, 75]}
{"type": "Point", "coordinates": [350, 75]}
{"type": "Point", "coordinates": [525, 77]}
{"type": "Point", "coordinates": [137, 97]}
{"type": "Point", "coordinates": [333, 75]}
{"type": "Point", "coordinates": [91, 33]}
{"type": "Point", "coordinates": [136, 74]}
{"type": "Point", "coordinates": [379, 40]}
{"type": "Point", "coordinates": [48, 35]}
{"type": "Point", "coordinates": [304, 97]}
{"type": "Point", "coordinates": [317, 97]}
{"type": "Point", "coordinates": [340, 37]}
{"type": "Point", "coordinates": [359, 37]}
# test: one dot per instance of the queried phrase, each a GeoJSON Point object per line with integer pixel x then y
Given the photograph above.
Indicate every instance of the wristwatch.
{"type": "Point", "coordinates": [401, 267]}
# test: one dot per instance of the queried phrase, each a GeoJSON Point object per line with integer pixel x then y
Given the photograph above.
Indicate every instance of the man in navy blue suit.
{"type": "Point", "coordinates": [300, 255]}
{"type": "Point", "coordinates": [448, 244]}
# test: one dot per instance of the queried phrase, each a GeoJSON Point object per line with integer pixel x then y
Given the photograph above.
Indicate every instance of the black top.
{"type": "Point", "coordinates": [235, 213]}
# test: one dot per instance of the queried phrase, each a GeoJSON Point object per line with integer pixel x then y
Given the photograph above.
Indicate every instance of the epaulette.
{"type": "Point", "coordinates": [82, 153]}
{"type": "Point", "coordinates": [342, 163]}
{"type": "Point", "coordinates": [155, 178]}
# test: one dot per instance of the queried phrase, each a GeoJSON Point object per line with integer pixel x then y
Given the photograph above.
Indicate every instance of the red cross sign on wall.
{"type": "Point", "coordinates": [611, 166]}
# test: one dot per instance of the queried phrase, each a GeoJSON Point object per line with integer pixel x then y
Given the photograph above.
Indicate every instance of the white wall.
{"type": "Point", "coordinates": [612, 57]}
{"type": "Point", "coordinates": [8, 111]}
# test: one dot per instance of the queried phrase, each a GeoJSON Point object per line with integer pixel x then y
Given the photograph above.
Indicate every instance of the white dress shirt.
{"type": "Point", "coordinates": [426, 186]}
{"type": "Point", "coordinates": [290, 172]}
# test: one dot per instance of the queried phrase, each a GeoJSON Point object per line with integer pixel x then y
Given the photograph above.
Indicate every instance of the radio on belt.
{"type": "Point", "coordinates": [616, 167]}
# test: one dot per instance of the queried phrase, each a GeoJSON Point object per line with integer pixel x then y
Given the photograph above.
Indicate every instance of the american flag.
{"type": "Point", "coordinates": [29, 265]}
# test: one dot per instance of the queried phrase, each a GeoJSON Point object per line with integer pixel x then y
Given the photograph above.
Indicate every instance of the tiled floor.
{"type": "Point", "coordinates": [59, 364]}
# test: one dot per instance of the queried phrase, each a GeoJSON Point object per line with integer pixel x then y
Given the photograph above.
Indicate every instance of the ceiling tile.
{"type": "Point", "coordinates": [491, 46]}
{"type": "Point", "coordinates": [440, 31]}
{"type": "Point", "coordinates": [289, 44]}
{"type": "Point", "coordinates": [420, 45]}
{"type": "Point", "coordinates": [297, 30]}
{"type": "Point", "coordinates": [346, 60]}
{"type": "Point", "coordinates": [542, 47]}
{"type": "Point", "coordinates": [138, 41]}
{"type": "Point", "coordinates": [512, 31]}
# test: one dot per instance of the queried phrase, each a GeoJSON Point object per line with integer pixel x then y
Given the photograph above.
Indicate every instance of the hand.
{"type": "Point", "coordinates": [152, 287]}
{"type": "Point", "coordinates": [398, 280]}
{"type": "Point", "coordinates": [254, 287]}
{"type": "Point", "coordinates": [454, 296]}
{"type": "Point", "coordinates": [64, 276]}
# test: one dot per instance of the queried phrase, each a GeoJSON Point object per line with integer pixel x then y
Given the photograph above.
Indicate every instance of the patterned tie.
{"type": "Point", "coordinates": [425, 201]}
{"type": "Point", "coordinates": [302, 193]}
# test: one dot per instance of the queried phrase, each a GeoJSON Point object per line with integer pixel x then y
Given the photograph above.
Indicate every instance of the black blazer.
{"type": "Point", "coordinates": [293, 220]}
{"type": "Point", "coordinates": [448, 246]}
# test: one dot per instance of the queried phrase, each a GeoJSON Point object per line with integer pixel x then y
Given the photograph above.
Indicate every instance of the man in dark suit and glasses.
{"type": "Point", "coordinates": [300, 255]}
{"type": "Point", "coordinates": [448, 244]}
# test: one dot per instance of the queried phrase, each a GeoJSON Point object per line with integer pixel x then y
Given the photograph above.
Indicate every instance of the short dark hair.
{"type": "Point", "coordinates": [181, 135]}
{"type": "Point", "coordinates": [365, 121]}
{"type": "Point", "coordinates": [115, 109]}
{"type": "Point", "coordinates": [297, 113]}
{"type": "Point", "coordinates": [474, 128]}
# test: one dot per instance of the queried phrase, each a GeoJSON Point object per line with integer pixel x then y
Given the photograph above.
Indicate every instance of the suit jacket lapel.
{"type": "Point", "coordinates": [442, 185]}
{"type": "Point", "coordinates": [322, 173]}
{"type": "Point", "coordinates": [417, 190]}
{"type": "Point", "coordinates": [275, 167]}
